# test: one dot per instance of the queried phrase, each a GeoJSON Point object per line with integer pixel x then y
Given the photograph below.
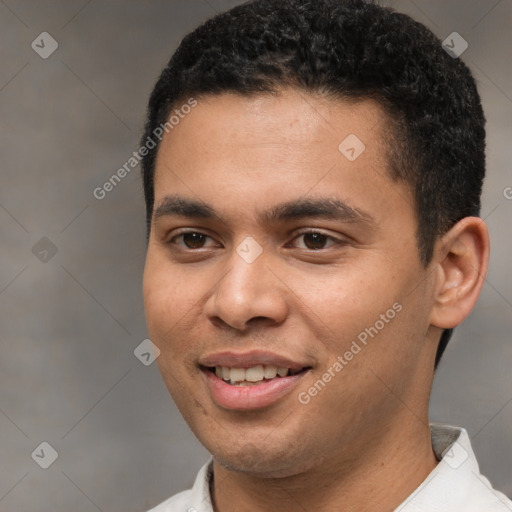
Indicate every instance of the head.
{"type": "Point", "coordinates": [266, 99]}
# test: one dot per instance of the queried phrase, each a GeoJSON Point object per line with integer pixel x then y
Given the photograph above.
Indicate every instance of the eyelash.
{"type": "Point", "coordinates": [297, 235]}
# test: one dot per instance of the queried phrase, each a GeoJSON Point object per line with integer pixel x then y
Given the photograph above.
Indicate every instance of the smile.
{"type": "Point", "coordinates": [252, 376]}
{"type": "Point", "coordinates": [252, 379]}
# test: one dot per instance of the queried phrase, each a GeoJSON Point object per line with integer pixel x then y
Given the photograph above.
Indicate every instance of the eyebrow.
{"type": "Point", "coordinates": [180, 206]}
{"type": "Point", "coordinates": [325, 208]}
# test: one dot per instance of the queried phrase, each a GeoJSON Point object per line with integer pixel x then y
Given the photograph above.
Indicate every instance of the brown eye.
{"type": "Point", "coordinates": [193, 240]}
{"type": "Point", "coordinates": [315, 240]}
{"type": "Point", "coordinates": [190, 240]}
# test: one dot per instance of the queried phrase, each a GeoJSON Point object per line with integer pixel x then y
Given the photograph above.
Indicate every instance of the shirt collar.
{"type": "Point", "coordinates": [455, 483]}
{"type": "Point", "coordinates": [449, 487]}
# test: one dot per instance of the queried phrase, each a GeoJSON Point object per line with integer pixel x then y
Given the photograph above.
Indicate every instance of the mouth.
{"type": "Point", "coordinates": [251, 387]}
{"type": "Point", "coordinates": [251, 380]}
{"type": "Point", "coordinates": [254, 375]}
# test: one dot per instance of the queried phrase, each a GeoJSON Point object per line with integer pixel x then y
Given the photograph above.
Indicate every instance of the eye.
{"type": "Point", "coordinates": [311, 240]}
{"type": "Point", "coordinates": [315, 240]}
{"type": "Point", "coordinates": [190, 240]}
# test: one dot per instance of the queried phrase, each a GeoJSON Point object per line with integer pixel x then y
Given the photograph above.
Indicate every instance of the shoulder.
{"type": "Point", "coordinates": [196, 499]}
{"type": "Point", "coordinates": [178, 503]}
{"type": "Point", "coordinates": [484, 498]}
{"type": "Point", "coordinates": [456, 483]}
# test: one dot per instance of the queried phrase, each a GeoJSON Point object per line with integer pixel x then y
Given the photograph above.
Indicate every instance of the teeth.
{"type": "Point", "coordinates": [237, 374]}
{"type": "Point", "coordinates": [254, 374]}
{"type": "Point", "coordinates": [242, 376]}
{"type": "Point", "coordinates": [270, 372]}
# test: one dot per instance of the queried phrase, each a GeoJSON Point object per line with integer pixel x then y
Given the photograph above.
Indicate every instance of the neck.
{"type": "Point", "coordinates": [378, 474]}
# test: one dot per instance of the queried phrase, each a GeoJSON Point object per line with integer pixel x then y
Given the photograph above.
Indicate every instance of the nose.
{"type": "Point", "coordinates": [247, 294]}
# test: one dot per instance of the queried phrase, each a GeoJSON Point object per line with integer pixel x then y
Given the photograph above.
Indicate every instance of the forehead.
{"type": "Point", "coordinates": [278, 120]}
{"type": "Point", "coordinates": [273, 147]}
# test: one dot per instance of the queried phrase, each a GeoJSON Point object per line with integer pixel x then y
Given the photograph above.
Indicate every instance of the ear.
{"type": "Point", "coordinates": [461, 258]}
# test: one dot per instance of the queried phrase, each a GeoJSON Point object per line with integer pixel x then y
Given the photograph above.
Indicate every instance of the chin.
{"type": "Point", "coordinates": [260, 459]}
{"type": "Point", "coordinates": [262, 468]}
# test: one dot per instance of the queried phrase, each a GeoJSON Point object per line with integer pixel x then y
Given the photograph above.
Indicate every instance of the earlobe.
{"type": "Point", "coordinates": [462, 257]}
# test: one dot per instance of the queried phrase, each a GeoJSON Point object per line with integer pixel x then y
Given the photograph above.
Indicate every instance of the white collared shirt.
{"type": "Point", "coordinates": [454, 485]}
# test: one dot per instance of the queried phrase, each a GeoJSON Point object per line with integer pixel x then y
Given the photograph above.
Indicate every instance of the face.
{"type": "Point", "coordinates": [279, 245]}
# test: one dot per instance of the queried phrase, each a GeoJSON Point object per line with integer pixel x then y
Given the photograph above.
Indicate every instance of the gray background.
{"type": "Point", "coordinates": [70, 325]}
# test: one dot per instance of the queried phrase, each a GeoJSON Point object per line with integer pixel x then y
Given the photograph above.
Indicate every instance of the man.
{"type": "Point", "coordinates": [312, 182]}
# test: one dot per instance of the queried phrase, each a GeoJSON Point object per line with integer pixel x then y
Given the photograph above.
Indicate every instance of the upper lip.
{"type": "Point", "coordinates": [249, 359]}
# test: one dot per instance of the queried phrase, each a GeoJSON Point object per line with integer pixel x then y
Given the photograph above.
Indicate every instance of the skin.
{"type": "Point", "coordinates": [364, 440]}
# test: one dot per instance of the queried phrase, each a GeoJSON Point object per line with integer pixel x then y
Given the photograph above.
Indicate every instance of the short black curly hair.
{"type": "Point", "coordinates": [345, 49]}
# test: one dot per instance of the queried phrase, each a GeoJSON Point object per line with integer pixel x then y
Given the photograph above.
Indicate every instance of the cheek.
{"type": "Point", "coordinates": [347, 301]}
{"type": "Point", "coordinates": [168, 298]}
{"type": "Point", "coordinates": [168, 302]}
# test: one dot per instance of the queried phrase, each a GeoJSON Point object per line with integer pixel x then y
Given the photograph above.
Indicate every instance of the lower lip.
{"type": "Point", "coordinates": [245, 398]}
